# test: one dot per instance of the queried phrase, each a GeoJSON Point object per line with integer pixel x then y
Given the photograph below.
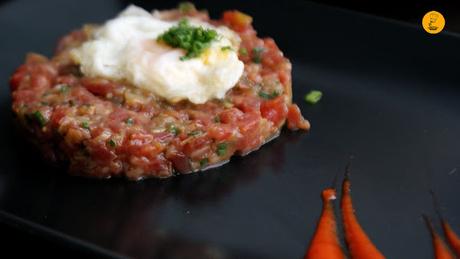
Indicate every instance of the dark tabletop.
{"type": "Point", "coordinates": [401, 76]}
{"type": "Point", "coordinates": [410, 11]}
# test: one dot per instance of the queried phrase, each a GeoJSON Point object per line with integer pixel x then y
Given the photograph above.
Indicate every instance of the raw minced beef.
{"type": "Point", "coordinates": [102, 128]}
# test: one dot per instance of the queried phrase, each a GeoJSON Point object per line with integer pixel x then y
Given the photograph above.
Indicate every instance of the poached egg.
{"type": "Point", "coordinates": [126, 49]}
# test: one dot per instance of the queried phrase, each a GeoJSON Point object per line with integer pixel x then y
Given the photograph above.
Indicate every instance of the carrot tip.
{"type": "Point", "coordinates": [428, 222]}
{"type": "Point", "coordinates": [348, 171]}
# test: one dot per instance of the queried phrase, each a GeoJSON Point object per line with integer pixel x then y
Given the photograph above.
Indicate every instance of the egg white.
{"type": "Point", "coordinates": [125, 48]}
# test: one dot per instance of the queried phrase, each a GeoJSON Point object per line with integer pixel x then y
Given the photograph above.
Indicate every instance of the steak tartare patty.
{"type": "Point", "coordinates": [99, 127]}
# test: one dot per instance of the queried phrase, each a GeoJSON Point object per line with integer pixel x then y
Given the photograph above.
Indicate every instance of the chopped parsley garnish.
{"type": "Point", "coordinates": [38, 116]}
{"type": "Point", "coordinates": [85, 125]}
{"type": "Point", "coordinates": [204, 162]}
{"type": "Point", "coordinates": [194, 133]}
{"type": "Point", "coordinates": [64, 89]}
{"type": "Point", "coordinates": [243, 51]}
{"type": "Point", "coordinates": [216, 119]}
{"type": "Point", "coordinates": [194, 40]}
{"type": "Point", "coordinates": [186, 7]}
{"type": "Point", "coordinates": [313, 96]}
{"type": "Point", "coordinates": [129, 121]}
{"type": "Point", "coordinates": [112, 143]}
{"type": "Point", "coordinates": [221, 149]}
{"type": "Point", "coordinates": [226, 48]}
{"type": "Point", "coordinates": [173, 129]}
{"type": "Point", "coordinates": [257, 54]}
{"type": "Point", "coordinates": [269, 96]}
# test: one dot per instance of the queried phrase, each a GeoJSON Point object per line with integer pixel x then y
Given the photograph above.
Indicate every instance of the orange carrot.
{"type": "Point", "coordinates": [325, 243]}
{"type": "Point", "coordinates": [441, 251]}
{"type": "Point", "coordinates": [451, 237]}
{"type": "Point", "coordinates": [359, 244]}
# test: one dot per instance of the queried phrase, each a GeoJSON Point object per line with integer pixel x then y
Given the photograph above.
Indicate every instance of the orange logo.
{"type": "Point", "coordinates": [433, 22]}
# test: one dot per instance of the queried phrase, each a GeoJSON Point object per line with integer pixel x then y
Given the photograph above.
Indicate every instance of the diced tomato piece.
{"type": "Point", "coordinates": [220, 132]}
{"type": "Point", "coordinates": [34, 58]}
{"type": "Point", "coordinates": [39, 81]}
{"type": "Point", "coordinates": [247, 104]}
{"type": "Point", "coordinates": [237, 20]}
{"type": "Point", "coordinates": [274, 110]}
{"type": "Point", "coordinates": [284, 77]}
{"type": "Point", "coordinates": [249, 129]}
{"type": "Point", "coordinates": [17, 77]}
{"type": "Point", "coordinates": [82, 95]}
{"type": "Point", "coordinates": [100, 153]}
{"type": "Point", "coordinates": [117, 119]}
{"type": "Point", "coordinates": [295, 118]}
{"type": "Point", "coordinates": [231, 115]}
{"type": "Point", "coordinates": [197, 148]}
{"type": "Point", "coordinates": [58, 113]}
{"type": "Point", "coordinates": [98, 86]}
{"type": "Point", "coordinates": [272, 56]}
{"type": "Point", "coordinates": [46, 69]}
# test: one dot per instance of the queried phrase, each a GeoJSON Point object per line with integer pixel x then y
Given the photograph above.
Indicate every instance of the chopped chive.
{"type": "Point", "coordinates": [112, 143]}
{"type": "Point", "coordinates": [243, 51]}
{"type": "Point", "coordinates": [204, 162]}
{"type": "Point", "coordinates": [173, 129]}
{"type": "Point", "coordinates": [269, 96]}
{"type": "Point", "coordinates": [257, 54]}
{"type": "Point", "coordinates": [194, 133]}
{"type": "Point", "coordinates": [313, 96]}
{"type": "Point", "coordinates": [186, 7]}
{"type": "Point", "coordinates": [129, 121]}
{"type": "Point", "coordinates": [221, 149]}
{"type": "Point", "coordinates": [44, 103]}
{"type": "Point", "coordinates": [85, 125]}
{"type": "Point", "coordinates": [194, 40]}
{"type": "Point", "coordinates": [226, 48]}
{"type": "Point", "coordinates": [64, 89]}
{"type": "Point", "coordinates": [40, 118]}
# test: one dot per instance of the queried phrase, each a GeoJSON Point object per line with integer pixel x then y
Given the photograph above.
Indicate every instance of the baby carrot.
{"type": "Point", "coordinates": [359, 244]}
{"type": "Point", "coordinates": [441, 251]}
{"type": "Point", "coordinates": [451, 237]}
{"type": "Point", "coordinates": [325, 243]}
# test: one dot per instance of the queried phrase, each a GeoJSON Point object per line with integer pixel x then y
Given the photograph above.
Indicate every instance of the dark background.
{"type": "Point", "coordinates": [404, 11]}
{"type": "Point", "coordinates": [407, 11]}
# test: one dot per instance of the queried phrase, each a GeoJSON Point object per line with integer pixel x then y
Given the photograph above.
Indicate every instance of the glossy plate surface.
{"type": "Point", "coordinates": [391, 100]}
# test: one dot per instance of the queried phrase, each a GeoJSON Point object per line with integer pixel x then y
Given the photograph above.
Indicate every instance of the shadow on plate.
{"type": "Point", "coordinates": [117, 213]}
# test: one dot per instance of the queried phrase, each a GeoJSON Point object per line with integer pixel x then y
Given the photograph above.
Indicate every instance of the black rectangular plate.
{"type": "Point", "coordinates": [390, 100]}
